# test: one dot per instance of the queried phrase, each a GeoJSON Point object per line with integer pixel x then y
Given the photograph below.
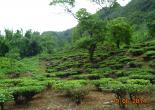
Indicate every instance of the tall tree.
{"type": "Point", "coordinates": [8, 34]}
{"type": "Point", "coordinates": [121, 31]}
{"type": "Point", "coordinates": [3, 47]}
{"type": "Point", "coordinates": [93, 28]}
{"type": "Point", "coordinates": [69, 4]}
{"type": "Point", "coordinates": [151, 27]}
{"type": "Point", "coordinates": [28, 34]}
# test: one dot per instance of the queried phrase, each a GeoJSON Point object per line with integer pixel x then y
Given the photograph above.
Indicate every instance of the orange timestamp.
{"type": "Point", "coordinates": [133, 101]}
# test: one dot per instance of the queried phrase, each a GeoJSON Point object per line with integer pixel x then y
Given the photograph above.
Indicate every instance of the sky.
{"type": "Point", "coordinates": [38, 15]}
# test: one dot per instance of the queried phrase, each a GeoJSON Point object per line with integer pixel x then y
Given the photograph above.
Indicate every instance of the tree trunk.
{"type": "Point", "coordinates": [2, 105]}
{"type": "Point", "coordinates": [91, 51]}
{"type": "Point", "coordinates": [118, 44]}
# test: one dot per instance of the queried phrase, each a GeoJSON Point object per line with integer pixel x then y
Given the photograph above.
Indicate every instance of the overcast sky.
{"type": "Point", "coordinates": [39, 16]}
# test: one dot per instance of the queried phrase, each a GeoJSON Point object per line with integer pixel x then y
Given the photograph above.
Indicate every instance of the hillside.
{"type": "Point", "coordinates": [131, 65]}
{"type": "Point", "coordinates": [138, 12]}
{"type": "Point", "coordinates": [105, 63]}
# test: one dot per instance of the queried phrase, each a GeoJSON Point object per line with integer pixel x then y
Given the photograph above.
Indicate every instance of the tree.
{"type": "Point", "coordinates": [120, 31]}
{"type": "Point", "coordinates": [69, 4]}
{"type": "Point", "coordinates": [8, 34]}
{"type": "Point", "coordinates": [28, 34]}
{"type": "Point", "coordinates": [151, 27]}
{"type": "Point", "coordinates": [3, 48]}
{"type": "Point", "coordinates": [48, 43]}
{"type": "Point", "coordinates": [30, 48]}
{"type": "Point", "coordinates": [91, 27]}
{"type": "Point", "coordinates": [105, 3]}
{"type": "Point", "coordinates": [18, 34]}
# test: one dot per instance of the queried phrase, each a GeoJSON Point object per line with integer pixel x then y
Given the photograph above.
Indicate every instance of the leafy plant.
{"type": "Point", "coordinates": [76, 90]}
{"type": "Point", "coordinates": [5, 96]}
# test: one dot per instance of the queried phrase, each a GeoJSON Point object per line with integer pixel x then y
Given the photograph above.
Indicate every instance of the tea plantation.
{"type": "Point", "coordinates": [126, 73]}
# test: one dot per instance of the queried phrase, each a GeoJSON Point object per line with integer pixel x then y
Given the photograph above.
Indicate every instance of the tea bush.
{"type": "Point", "coordinates": [5, 96]}
{"type": "Point", "coordinates": [25, 94]}
{"type": "Point", "coordinates": [136, 52]}
{"type": "Point", "coordinates": [75, 89]}
{"type": "Point", "coordinates": [149, 55]}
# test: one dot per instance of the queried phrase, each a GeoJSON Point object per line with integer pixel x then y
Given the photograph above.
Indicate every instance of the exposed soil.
{"type": "Point", "coordinates": [55, 101]}
{"type": "Point", "coordinates": [50, 100]}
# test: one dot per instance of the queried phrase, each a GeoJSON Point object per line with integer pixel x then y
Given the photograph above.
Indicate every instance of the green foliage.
{"type": "Point", "coordinates": [31, 49]}
{"type": "Point", "coordinates": [151, 27]}
{"type": "Point", "coordinates": [8, 65]}
{"type": "Point", "coordinates": [138, 81]}
{"type": "Point", "coordinates": [120, 31]}
{"type": "Point", "coordinates": [65, 85]}
{"type": "Point", "coordinates": [5, 96]}
{"type": "Point", "coordinates": [75, 89]}
{"type": "Point", "coordinates": [136, 52]}
{"type": "Point", "coordinates": [86, 76]}
{"type": "Point", "coordinates": [141, 71]}
{"type": "Point", "coordinates": [82, 14]}
{"type": "Point", "coordinates": [101, 83]}
{"type": "Point", "coordinates": [91, 29]}
{"type": "Point", "coordinates": [26, 92]}
{"type": "Point", "coordinates": [3, 48]}
{"type": "Point", "coordinates": [78, 94]}
{"type": "Point", "coordinates": [149, 55]}
{"type": "Point", "coordinates": [69, 2]}
{"type": "Point", "coordinates": [84, 42]}
{"type": "Point", "coordinates": [16, 45]}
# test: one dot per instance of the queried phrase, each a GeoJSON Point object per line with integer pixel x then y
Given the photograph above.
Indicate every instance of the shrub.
{"type": "Point", "coordinates": [138, 81]}
{"type": "Point", "coordinates": [141, 71]}
{"type": "Point", "coordinates": [118, 88]}
{"type": "Point", "coordinates": [66, 74]}
{"type": "Point", "coordinates": [75, 89]}
{"type": "Point", "coordinates": [125, 60]}
{"type": "Point", "coordinates": [134, 64]}
{"type": "Point", "coordinates": [123, 79]}
{"type": "Point", "coordinates": [121, 73]}
{"type": "Point", "coordinates": [5, 96]}
{"type": "Point", "coordinates": [136, 52]}
{"type": "Point", "coordinates": [136, 89]}
{"type": "Point", "coordinates": [146, 77]}
{"type": "Point", "coordinates": [50, 70]}
{"type": "Point", "coordinates": [102, 82]}
{"type": "Point", "coordinates": [25, 94]}
{"type": "Point", "coordinates": [78, 94]}
{"type": "Point", "coordinates": [152, 64]}
{"type": "Point", "coordinates": [150, 48]}
{"type": "Point", "coordinates": [86, 76]}
{"type": "Point", "coordinates": [117, 66]}
{"type": "Point", "coordinates": [122, 88]}
{"type": "Point", "coordinates": [8, 65]}
{"type": "Point", "coordinates": [149, 55]}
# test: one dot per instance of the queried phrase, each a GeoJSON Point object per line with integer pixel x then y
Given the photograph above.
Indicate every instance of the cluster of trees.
{"type": "Point", "coordinates": [111, 23]}
{"type": "Point", "coordinates": [19, 45]}
{"type": "Point", "coordinates": [138, 12]}
{"type": "Point", "coordinates": [92, 30]}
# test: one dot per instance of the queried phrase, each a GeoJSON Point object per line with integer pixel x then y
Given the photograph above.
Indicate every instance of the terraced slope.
{"type": "Point", "coordinates": [68, 79]}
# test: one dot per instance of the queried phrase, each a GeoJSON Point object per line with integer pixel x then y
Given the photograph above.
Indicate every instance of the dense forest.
{"type": "Point", "coordinates": [106, 62]}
